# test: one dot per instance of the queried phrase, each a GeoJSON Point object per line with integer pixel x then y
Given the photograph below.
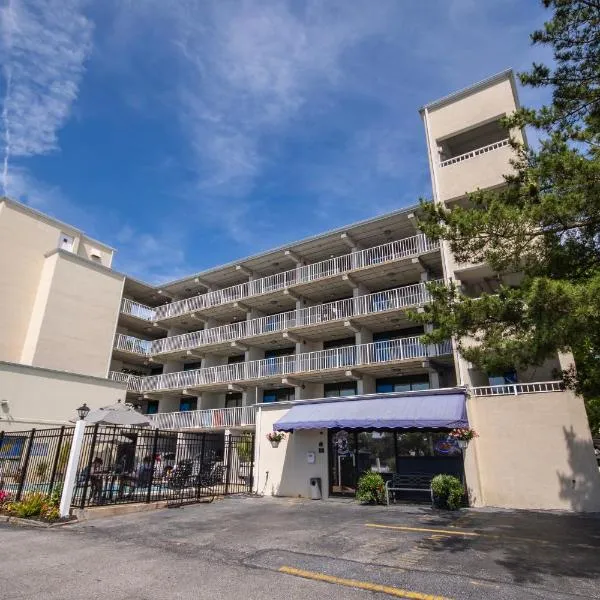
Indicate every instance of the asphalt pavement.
{"type": "Point", "coordinates": [247, 548]}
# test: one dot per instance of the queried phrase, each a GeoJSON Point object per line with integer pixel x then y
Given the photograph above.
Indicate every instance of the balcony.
{"type": "Point", "coordinates": [133, 382]}
{"type": "Point", "coordinates": [301, 276]}
{"type": "Point", "coordinates": [137, 310]}
{"type": "Point", "coordinates": [514, 389]}
{"type": "Point", "coordinates": [481, 168]}
{"type": "Point", "coordinates": [370, 304]}
{"type": "Point", "coordinates": [216, 418]}
{"type": "Point", "coordinates": [311, 365]}
{"type": "Point", "coordinates": [132, 345]}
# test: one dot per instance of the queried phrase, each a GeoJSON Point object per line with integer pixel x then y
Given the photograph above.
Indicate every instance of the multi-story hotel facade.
{"type": "Point", "coordinates": [312, 338]}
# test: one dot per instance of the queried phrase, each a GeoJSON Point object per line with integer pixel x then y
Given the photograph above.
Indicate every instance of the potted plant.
{"type": "Point", "coordinates": [275, 437]}
{"type": "Point", "coordinates": [462, 436]}
{"type": "Point", "coordinates": [370, 489]}
{"type": "Point", "coordinates": [447, 492]}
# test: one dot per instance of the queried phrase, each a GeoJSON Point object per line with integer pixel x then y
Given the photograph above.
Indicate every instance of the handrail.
{"type": "Point", "coordinates": [473, 153]}
{"type": "Point", "coordinates": [518, 388]}
{"type": "Point", "coordinates": [280, 366]}
{"type": "Point", "coordinates": [411, 246]}
{"type": "Point", "coordinates": [401, 297]}
{"type": "Point", "coordinates": [214, 418]}
{"type": "Point", "coordinates": [128, 343]}
{"type": "Point", "coordinates": [134, 382]}
{"type": "Point", "coordinates": [135, 309]}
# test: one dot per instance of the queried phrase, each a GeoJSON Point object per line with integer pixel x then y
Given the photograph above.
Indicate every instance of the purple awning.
{"type": "Point", "coordinates": [423, 411]}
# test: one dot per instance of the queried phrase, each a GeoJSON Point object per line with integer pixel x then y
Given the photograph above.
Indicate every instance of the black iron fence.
{"type": "Point", "coordinates": [122, 465]}
{"type": "Point", "coordinates": [34, 460]}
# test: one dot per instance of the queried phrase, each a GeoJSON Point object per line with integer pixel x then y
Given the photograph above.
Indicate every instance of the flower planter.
{"type": "Point", "coordinates": [274, 443]}
{"type": "Point", "coordinates": [462, 444]}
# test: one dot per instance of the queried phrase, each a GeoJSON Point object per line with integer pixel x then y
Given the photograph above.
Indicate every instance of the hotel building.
{"type": "Point", "coordinates": [312, 337]}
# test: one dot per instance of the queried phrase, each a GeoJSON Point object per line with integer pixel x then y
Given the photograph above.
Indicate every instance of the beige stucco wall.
{"type": "Point", "coordinates": [534, 452]}
{"type": "Point", "coordinates": [478, 107]}
{"type": "Point", "coordinates": [80, 302]}
{"type": "Point", "coordinates": [88, 248]}
{"type": "Point", "coordinates": [23, 243]}
{"type": "Point", "coordinates": [285, 471]}
{"type": "Point", "coordinates": [33, 397]}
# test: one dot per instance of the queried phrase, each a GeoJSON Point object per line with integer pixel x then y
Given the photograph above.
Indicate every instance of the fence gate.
{"type": "Point", "coordinates": [123, 465]}
{"type": "Point", "coordinates": [34, 460]}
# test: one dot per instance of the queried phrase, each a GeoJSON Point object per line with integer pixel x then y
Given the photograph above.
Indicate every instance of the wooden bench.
{"type": "Point", "coordinates": [408, 482]}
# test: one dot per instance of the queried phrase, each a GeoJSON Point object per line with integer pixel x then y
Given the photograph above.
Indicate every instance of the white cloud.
{"type": "Point", "coordinates": [44, 45]}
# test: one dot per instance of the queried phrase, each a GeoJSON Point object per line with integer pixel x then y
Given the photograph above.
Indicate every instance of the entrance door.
{"type": "Point", "coordinates": [342, 462]}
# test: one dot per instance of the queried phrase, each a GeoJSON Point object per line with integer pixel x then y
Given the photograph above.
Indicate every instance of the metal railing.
{"type": "Point", "coordinates": [135, 309]}
{"type": "Point", "coordinates": [215, 418]}
{"type": "Point", "coordinates": [402, 297]}
{"type": "Point", "coordinates": [128, 343]}
{"type": "Point", "coordinates": [518, 388]}
{"type": "Point", "coordinates": [133, 382]}
{"type": "Point", "coordinates": [411, 246]}
{"type": "Point", "coordinates": [473, 153]}
{"type": "Point", "coordinates": [320, 360]}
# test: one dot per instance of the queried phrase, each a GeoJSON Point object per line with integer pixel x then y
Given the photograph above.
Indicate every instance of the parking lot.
{"type": "Point", "coordinates": [263, 547]}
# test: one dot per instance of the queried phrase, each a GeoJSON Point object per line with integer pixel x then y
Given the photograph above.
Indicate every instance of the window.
{"type": "Point", "coordinates": [232, 360]}
{"type": "Point", "coordinates": [186, 404]}
{"type": "Point", "coordinates": [279, 395]}
{"type": "Point", "coordinates": [192, 366]}
{"type": "Point", "coordinates": [151, 407]}
{"type": "Point", "coordinates": [402, 384]}
{"type": "Point", "coordinates": [66, 242]}
{"type": "Point", "coordinates": [506, 378]}
{"type": "Point", "coordinates": [342, 388]}
{"type": "Point", "coordinates": [233, 399]}
{"type": "Point", "coordinates": [419, 444]}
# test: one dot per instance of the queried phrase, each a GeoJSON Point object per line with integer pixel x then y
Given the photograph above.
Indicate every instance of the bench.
{"type": "Point", "coordinates": [408, 482]}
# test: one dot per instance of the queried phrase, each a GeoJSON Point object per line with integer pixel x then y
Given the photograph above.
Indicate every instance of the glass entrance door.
{"type": "Point", "coordinates": [342, 453]}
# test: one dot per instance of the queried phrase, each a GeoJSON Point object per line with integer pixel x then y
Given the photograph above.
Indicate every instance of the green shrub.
{"type": "Point", "coordinates": [370, 489]}
{"type": "Point", "coordinates": [448, 492]}
{"type": "Point", "coordinates": [35, 504]}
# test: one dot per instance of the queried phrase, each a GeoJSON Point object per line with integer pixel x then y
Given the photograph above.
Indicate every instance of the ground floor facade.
{"type": "Point", "coordinates": [534, 451]}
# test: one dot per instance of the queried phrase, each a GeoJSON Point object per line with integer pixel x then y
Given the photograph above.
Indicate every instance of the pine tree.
{"type": "Point", "coordinates": [544, 223]}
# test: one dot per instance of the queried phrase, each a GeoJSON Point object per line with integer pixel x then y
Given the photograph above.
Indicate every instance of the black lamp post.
{"type": "Point", "coordinates": [83, 411]}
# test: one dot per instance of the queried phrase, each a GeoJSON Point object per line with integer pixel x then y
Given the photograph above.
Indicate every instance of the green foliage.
{"type": "Point", "coordinates": [448, 492]}
{"type": "Point", "coordinates": [63, 457]}
{"type": "Point", "coordinates": [543, 225]}
{"type": "Point", "coordinates": [41, 469]}
{"type": "Point", "coordinates": [36, 505]}
{"type": "Point", "coordinates": [244, 448]}
{"type": "Point", "coordinates": [370, 489]}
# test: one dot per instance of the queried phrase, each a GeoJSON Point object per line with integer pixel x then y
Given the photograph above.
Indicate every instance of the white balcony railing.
{"type": "Point", "coordinates": [518, 388]}
{"type": "Point", "coordinates": [133, 382]}
{"type": "Point", "coordinates": [473, 153]}
{"type": "Point", "coordinates": [403, 297]}
{"type": "Point", "coordinates": [135, 309]}
{"type": "Point", "coordinates": [216, 418]}
{"type": "Point", "coordinates": [280, 366]}
{"type": "Point", "coordinates": [127, 343]}
{"type": "Point", "coordinates": [412, 246]}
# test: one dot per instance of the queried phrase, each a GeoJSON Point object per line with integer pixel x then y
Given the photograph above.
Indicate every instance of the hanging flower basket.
{"type": "Point", "coordinates": [462, 436]}
{"type": "Point", "coordinates": [275, 437]}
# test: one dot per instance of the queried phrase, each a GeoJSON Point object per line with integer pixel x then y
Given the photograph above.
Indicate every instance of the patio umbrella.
{"type": "Point", "coordinates": [118, 414]}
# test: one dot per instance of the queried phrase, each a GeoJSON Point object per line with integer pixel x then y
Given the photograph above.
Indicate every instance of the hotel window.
{"type": "Point", "coordinates": [343, 388]}
{"type": "Point", "coordinates": [152, 407]}
{"type": "Point", "coordinates": [279, 395]}
{"type": "Point", "coordinates": [233, 399]}
{"type": "Point", "coordinates": [402, 384]}
{"type": "Point", "coordinates": [186, 404]}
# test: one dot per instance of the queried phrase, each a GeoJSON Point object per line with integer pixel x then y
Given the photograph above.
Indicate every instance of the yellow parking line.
{"type": "Point", "coordinates": [424, 530]}
{"type": "Point", "coordinates": [362, 585]}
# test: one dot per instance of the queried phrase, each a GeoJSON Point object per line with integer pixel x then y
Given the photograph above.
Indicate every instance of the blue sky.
{"type": "Point", "coordinates": [189, 133]}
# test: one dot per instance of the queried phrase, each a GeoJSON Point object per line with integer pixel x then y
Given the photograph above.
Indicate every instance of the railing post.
{"type": "Point", "coordinates": [153, 465]}
{"type": "Point", "coordinates": [71, 472]}
{"type": "Point", "coordinates": [23, 471]}
{"type": "Point", "coordinates": [56, 457]}
{"type": "Point", "coordinates": [227, 457]}
{"type": "Point", "coordinates": [250, 485]}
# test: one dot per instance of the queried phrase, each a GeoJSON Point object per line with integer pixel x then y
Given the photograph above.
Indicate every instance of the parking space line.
{"type": "Point", "coordinates": [424, 530]}
{"type": "Point", "coordinates": [362, 585]}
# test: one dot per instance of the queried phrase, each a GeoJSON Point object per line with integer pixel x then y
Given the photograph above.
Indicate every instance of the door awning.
{"type": "Point", "coordinates": [423, 411]}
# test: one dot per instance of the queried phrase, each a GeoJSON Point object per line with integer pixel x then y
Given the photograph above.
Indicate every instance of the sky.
{"type": "Point", "coordinates": [191, 133]}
